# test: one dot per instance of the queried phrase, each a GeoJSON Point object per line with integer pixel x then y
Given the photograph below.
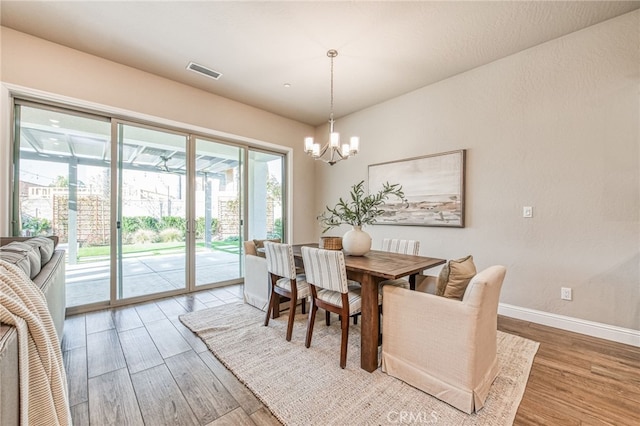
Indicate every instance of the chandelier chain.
{"type": "Point", "coordinates": [332, 54]}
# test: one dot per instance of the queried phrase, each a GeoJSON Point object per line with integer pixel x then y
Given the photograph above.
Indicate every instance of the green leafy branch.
{"type": "Point", "coordinates": [360, 209]}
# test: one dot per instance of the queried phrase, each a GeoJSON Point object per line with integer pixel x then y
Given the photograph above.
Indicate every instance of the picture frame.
{"type": "Point", "coordinates": [433, 185]}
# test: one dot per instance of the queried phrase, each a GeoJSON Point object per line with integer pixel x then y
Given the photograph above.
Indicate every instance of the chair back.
{"type": "Point", "coordinates": [483, 296]}
{"type": "Point", "coordinates": [396, 245]}
{"type": "Point", "coordinates": [280, 260]}
{"type": "Point", "coordinates": [325, 269]}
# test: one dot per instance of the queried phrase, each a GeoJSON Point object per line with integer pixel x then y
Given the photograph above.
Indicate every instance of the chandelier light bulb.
{"type": "Point", "coordinates": [308, 144]}
{"type": "Point", "coordinates": [354, 145]}
{"type": "Point", "coordinates": [335, 139]}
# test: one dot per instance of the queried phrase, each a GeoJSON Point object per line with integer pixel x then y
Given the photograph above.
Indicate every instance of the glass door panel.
{"type": "Point", "coordinates": [266, 195]}
{"type": "Point", "coordinates": [63, 180]}
{"type": "Point", "coordinates": [218, 212]}
{"type": "Point", "coordinates": [152, 212]}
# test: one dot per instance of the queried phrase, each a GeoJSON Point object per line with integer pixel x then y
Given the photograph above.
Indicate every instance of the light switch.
{"type": "Point", "coordinates": [527, 211]}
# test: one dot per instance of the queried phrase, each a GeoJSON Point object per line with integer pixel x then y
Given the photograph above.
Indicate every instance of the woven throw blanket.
{"type": "Point", "coordinates": [43, 385]}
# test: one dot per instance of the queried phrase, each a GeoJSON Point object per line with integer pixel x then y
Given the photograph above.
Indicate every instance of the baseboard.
{"type": "Point", "coordinates": [590, 328]}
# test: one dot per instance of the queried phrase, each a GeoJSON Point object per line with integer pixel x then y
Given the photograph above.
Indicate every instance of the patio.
{"type": "Point", "coordinates": [144, 275]}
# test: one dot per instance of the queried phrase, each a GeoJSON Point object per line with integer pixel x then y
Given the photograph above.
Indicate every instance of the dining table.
{"type": "Point", "coordinates": [369, 270]}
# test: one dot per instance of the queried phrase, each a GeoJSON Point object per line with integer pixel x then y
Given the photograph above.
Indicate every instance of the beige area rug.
{"type": "Point", "coordinates": [307, 386]}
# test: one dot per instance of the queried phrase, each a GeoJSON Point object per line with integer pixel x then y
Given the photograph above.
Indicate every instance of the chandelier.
{"type": "Point", "coordinates": [332, 151]}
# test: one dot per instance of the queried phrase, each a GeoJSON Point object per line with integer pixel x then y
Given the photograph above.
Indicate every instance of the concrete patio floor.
{"type": "Point", "coordinates": [143, 275]}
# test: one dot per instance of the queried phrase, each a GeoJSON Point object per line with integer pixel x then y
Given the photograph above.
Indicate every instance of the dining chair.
{"type": "Point", "coordinates": [331, 291]}
{"type": "Point", "coordinates": [449, 347]}
{"type": "Point", "coordinates": [284, 282]}
{"type": "Point", "coordinates": [395, 245]}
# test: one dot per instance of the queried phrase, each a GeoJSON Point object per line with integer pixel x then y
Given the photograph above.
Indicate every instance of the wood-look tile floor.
{"type": "Point", "coordinates": [139, 365]}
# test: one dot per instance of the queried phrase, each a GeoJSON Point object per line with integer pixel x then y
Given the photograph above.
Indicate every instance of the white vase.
{"type": "Point", "coordinates": [356, 242]}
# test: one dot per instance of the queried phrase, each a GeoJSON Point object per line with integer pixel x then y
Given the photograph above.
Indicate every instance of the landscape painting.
{"type": "Point", "coordinates": [433, 186]}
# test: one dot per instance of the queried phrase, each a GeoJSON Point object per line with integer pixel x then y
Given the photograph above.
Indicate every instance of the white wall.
{"type": "Point", "coordinates": [555, 127]}
{"type": "Point", "coordinates": [65, 73]}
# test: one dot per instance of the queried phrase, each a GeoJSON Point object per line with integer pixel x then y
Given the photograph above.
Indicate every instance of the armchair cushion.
{"type": "Point", "coordinates": [455, 277]}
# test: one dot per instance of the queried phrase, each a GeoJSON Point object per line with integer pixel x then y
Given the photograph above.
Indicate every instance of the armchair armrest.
{"type": "Point", "coordinates": [256, 282]}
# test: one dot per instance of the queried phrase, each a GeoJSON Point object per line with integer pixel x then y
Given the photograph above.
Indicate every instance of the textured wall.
{"type": "Point", "coordinates": [555, 127]}
{"type": "Point", "coordinates": [37, 64]}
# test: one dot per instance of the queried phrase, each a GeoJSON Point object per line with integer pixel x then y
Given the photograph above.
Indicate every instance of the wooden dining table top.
{"type": "Point", "coordinates": [382, 264]}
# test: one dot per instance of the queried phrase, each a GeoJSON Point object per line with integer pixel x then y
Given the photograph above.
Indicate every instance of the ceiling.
{"type": "Point", "coordinates": [385, 49]}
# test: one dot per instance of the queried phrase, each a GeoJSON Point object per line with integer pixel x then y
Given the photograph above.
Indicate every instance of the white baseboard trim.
{"type": "Point", "coordinates": [590, 328]}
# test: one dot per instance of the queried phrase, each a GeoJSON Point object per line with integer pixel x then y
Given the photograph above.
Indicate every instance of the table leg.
{"type": "Point", "coordinates": [370, 325]}
{"type": "Point", "coordinates": [412, 281]}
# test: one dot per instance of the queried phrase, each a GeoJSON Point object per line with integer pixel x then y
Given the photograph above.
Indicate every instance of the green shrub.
{"type": "Point", "coordinates": [36, 226]}
{"type": "Point", "coordinates": [175, 222]}
{"type": "Point", "coordinates": [277, 229]}
{"type": "Point", "coordinates": [200, 229]}
{"type": "Point", "coordinates": [171, 235]}
{"type": "Point", "coordinates": [131, 224]}
{"type": "Point", "coordinates": [143, 236]}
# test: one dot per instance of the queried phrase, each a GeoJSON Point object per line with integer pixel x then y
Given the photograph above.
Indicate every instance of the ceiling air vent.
{"type": "Point", "coordinates": [204, 71]}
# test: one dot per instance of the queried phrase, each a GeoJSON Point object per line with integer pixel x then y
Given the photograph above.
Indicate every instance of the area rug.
{"type": "Point", "coordinates": [307, 386]}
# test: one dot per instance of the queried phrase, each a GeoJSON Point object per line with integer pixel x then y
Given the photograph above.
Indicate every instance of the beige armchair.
{"type": "Point", "coordinates": [445, 347]}
{"type": "Point", "coordinates": [256, 278]}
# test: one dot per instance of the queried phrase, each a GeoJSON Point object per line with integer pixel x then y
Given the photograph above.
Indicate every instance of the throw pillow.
{"type": "Point", "coordinates": [32, 253]}
{"type": "Point", "coordinates": [19, 259]}
{"type": "Point", "coordinates": [443, 278]}
{"type": "Point", "coordinates": [260, 245]}
{"type": "Point", "coordinates": [45, 245]}
{"type": "Point", "coordinates": [461, 271]}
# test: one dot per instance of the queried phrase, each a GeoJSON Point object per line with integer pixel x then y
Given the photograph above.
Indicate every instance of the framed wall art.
{"type": "Point", "coordinates": [433, 186]}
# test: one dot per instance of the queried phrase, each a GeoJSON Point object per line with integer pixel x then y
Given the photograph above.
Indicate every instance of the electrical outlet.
{"type": "Point", "coordinates": [565, 293]}
{"type": "Point", "coordinates": [527, 211]}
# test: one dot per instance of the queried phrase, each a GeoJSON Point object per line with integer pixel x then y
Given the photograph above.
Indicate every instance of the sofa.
{"type": "Point", "coordinates": [50, 278]}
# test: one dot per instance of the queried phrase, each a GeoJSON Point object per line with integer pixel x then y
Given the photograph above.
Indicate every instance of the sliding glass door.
{"type": "Point", "coordinates": [218, 230]}
{"type": "Point", "coordinates": [62, 164]}
{"type": "Point", "coordinates": [151, 214]}
{"type": "Point", "coordinates": [142, 211]}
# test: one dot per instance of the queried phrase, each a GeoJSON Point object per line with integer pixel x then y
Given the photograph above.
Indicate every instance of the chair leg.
{"type": "Point", "coordinates": [345, 339]}
{"type": "Point", "coordinates": [310, 322]}
{"type": "Point", "coordinates": [269, 309]}
{"type": "Point", "coordinates": [275, 310]}
{"type": "Point", "coordinates": [379, 325]}
{"type": "Point", "coordinates": [304, 306]}
{"type": "Point", "coordinates": [292, 316]}
{"type": "Point", "coordinates": [327, 317]}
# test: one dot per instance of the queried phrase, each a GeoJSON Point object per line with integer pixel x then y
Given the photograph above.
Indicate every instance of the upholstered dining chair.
{"type": "Point", "coordinates": [449, 348]}
{"type": "Point", "coordinates": [331, 291]}
{"type": "Point", "coordinates": [284, 282]}
{"type": "Point", "coordinates": [395, 245]}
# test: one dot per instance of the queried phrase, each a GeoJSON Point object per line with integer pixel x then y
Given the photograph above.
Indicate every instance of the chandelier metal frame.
{"type": "Point", "coordinates": [332, 151]}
